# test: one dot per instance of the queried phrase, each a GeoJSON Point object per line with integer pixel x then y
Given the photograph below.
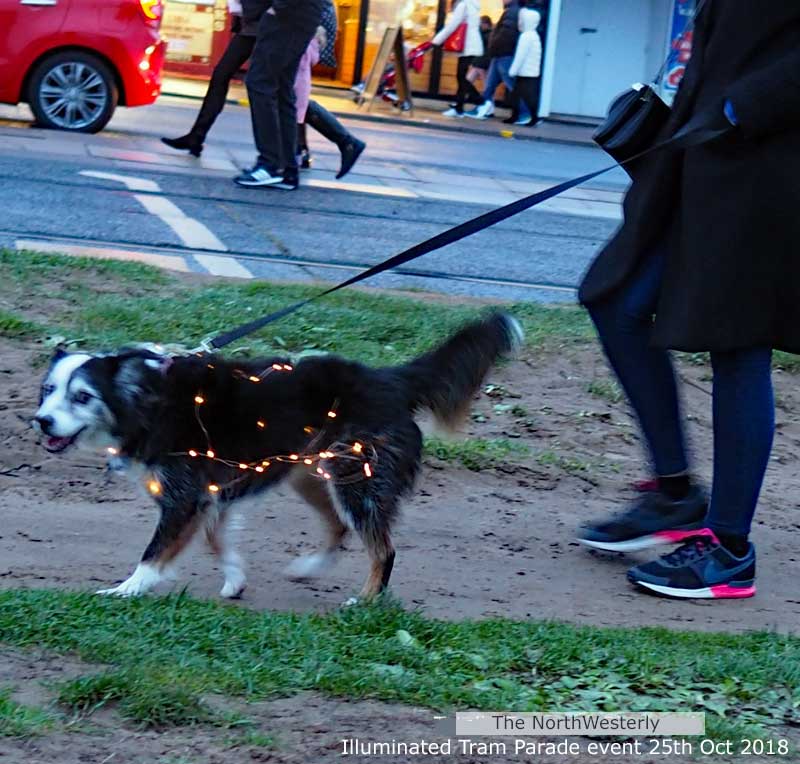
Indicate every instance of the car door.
{"type": "Point", "coordinates": [27, 29]}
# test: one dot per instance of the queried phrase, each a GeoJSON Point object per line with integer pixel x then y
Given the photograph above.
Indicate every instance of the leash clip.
{"type": "Point", "coordinates": [205, 346]}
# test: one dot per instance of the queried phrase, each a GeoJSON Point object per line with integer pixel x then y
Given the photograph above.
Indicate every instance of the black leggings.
{"type": "Point", "coordinates": [466, 90]}
{"type": "Point", "coordinates": [526, 89]}
{"type": "Point", "coordinates": [234, 58]}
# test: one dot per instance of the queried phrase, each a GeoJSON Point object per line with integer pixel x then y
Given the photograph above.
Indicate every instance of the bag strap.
{"type": "Point", "coordinates": [689, 27]}
{"type": "Point", "coordinates": [692, 134]}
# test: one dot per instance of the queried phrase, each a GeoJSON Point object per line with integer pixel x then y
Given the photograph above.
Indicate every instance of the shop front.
{"type": "Point", "coordinates": [198, 32]}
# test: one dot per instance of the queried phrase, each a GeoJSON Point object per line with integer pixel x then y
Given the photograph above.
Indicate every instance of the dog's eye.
{"type": "Point", "coordinates": [48, 390]}
{"type": "Point", "coordinates": [82, 397]}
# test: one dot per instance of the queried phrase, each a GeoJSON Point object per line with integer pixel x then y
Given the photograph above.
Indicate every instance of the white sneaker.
{"type": "Point", "coordinates": [453, 113]}
{"type": "Point", "coordinates": [258, 176]}
{"type": "Point", "coordinates": [484, 111]}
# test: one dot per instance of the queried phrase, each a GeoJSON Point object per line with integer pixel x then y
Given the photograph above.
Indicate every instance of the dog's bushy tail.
{"type": "Point", "coordinates": [445, 379]}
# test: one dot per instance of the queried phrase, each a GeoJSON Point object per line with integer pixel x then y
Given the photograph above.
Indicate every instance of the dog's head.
{"type": "Point", "coordinates": [91, 400]}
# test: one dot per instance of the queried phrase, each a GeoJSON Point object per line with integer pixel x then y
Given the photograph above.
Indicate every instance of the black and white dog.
{"type": "Point", "coordinates": [202, 431]}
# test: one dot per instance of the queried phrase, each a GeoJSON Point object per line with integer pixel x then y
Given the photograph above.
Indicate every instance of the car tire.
{"type": "Point", "coordinates": [73, 91]}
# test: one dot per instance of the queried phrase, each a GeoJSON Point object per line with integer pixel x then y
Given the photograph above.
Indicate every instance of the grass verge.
{"type": "Point", "coordinates": [106, 304]}
{"type": "Point", "coordinates": [165, 654]}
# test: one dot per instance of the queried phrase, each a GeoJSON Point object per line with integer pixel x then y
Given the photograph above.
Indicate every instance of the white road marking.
{"type": "Point", "coordinates": [223, 265]}
{"type": "Point", "coordinates": [189, 230]}
{"type": "Point", "coordinates": [134, 184]}
{"type": "Point", "coordinates": [168, 262]}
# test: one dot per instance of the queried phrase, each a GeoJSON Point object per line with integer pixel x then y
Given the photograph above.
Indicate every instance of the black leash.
{"type": "Point", "coordinates": [684, 138]}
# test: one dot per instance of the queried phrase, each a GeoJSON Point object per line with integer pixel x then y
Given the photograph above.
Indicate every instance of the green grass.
{"type": "Point", "coordinates": [475, 454]}
{"type": "Point", "coordinates": [607, 389]}
{"type": "Point", "coordinates": [15, 327]}
{"type": "Point", "coordinates": [164, 655]}
{"type": "Point", "coordinates": [17, 720]}
{"type": "Point", "coordinates": [140, 303]}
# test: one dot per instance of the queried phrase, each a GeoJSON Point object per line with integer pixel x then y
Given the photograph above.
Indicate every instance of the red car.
{"type": "Point", "coordinates": [73, 61]}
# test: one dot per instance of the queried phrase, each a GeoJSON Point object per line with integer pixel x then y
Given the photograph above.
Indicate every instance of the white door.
{"type": "Point", "coordinates": [601, 50]}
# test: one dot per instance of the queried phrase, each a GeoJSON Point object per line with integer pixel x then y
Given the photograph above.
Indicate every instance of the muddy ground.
{"type": "Point", "coordinates": [469, 545]}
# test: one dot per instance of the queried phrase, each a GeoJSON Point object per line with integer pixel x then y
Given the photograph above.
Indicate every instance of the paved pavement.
{"type": "Point", "coordinates": [124, 194]}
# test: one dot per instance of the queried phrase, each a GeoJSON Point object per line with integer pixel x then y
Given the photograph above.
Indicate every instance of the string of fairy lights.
{"type": "Point", "coordinates": [363, 454]}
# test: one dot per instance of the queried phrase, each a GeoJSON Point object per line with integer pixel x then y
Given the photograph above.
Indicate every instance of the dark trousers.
{"type": "Point", "coordinates": [234, 58]}
{"type": "Point", "coordinates": [526, 91]}
{"type": "Point", "coordinates": [743, 405]}
{"type": "Point", "coordinates": [270, 87]}
{"type": "Point", "coordinates": [466, 90]}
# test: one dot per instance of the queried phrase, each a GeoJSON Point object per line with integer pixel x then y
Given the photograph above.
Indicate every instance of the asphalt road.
{"type": "Point", "coordinates": [56, 193]}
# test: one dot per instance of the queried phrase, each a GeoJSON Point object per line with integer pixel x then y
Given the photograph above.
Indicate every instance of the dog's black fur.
{"type": "Point", "coordinates": [154, 422]}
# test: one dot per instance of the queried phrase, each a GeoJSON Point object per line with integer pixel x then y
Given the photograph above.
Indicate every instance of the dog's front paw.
{"type": "Point", "coordinates": [233, 589]}
{"type": "Point", "coordinates": [351, 602]}
{"type": "Point", "coordinates": [310, 565]}
{"type": "Point", "coordinates": [144, 578]}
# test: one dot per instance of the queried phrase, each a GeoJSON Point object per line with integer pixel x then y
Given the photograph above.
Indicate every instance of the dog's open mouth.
{"type": "Point", "coordinates": [56, 445]}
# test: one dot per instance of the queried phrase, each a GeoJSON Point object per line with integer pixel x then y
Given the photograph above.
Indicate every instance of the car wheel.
{"type": "Point", "coordinates": [73, 91]}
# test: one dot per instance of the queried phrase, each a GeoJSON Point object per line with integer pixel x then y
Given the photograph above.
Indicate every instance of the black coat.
{"type": "Point", "coordinates": [298, 13]}
{"type": "Point", "coordinates": [732, 278]}
{"type": "Point", "coordinates": [503, 40]}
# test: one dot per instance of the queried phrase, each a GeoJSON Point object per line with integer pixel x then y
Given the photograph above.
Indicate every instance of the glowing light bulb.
{"type": "Point", "coordinates": [307, 461]}
{"type": "Point", "coordinates": [210, 454]}
{"type": "Point", "coordinates": [358, 448]}
{"type": "Point", "coordinates": [243, 467]}
{"type": "Point", "coordinates": [332, 414]}
{"type": "Point", "coordinates": [367, 470]}
{"type": "Point", "coordinates": [254, 379]}
{"type": "Point", "coordinates": [277, 366]}
{"type": "Point", "coordinates": [213, 488]}
{"type": "Point", "coordinates": [261, 424]}
{"type": "Point", "coordinates": [265, 463]}
{"type": "Point", "coordinates": [192, 452]}
{"type": "Point", "coordinates": [259, 468]}
{"type": "Point", "coordinates": [286, 367]}
{"type": "Point", "coordinates": [294, 457]}
{"type": "Point", "coordinates": [198, 399]}
{"type": "Point", "coordinates": [111, 450]}
{"type": "Point", "coordinates": [326, 475]}
{"type": "Point", "coordinates": [154, 487]}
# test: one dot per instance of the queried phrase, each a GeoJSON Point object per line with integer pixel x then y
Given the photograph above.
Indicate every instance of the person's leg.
{"type": "Point", "coordinates": [287, 106]}
{"type": "Point", "coordinates": [493, 80]}
{"type": "Point", "coordinates": [624, 323]}
{"type": "Point", "coordinates": [503, 65]}
{"type": "Point", "coordinates": [744, 425]}
{"type": "Point", "coordinates": [473, 95]}
{"type": "Point", "coordinates": [718, 561]}
{"type": "Point", "coordinates": [677, 508]}
{"type": "Point", "coordinates": [233, 59]}
{"type": "Point", "coordinates": [263, 79]}
{"type": "Point", "coordinates": [527, 90]}
{"type": "Point", "coordinates": [464, 85]}
{"type": "Point", "coordinates": [351, 148]}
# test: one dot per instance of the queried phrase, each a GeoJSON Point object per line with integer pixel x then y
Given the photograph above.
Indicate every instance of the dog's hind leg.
{"type": "Point", "coordinates": [321, 497]}
{"type": "Point", "coordinates": [175, 529]}
{"type": "Point", "coordinates": [381, 556]}
{"type": "Point", "coordinates": [221, 527]}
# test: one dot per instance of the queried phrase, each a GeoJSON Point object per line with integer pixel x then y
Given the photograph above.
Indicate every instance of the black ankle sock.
{"type": "Point", "coordinates": [676, 487]}
{"type": "Point", "coordinates": [736, 545]}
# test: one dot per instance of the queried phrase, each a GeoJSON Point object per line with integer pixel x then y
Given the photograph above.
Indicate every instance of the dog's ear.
{"type": "Point", "coordinates": [59, 352]}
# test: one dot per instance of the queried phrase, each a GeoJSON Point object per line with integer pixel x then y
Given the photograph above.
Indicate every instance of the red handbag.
{"type": "Point", "coordinates": [456, 42]}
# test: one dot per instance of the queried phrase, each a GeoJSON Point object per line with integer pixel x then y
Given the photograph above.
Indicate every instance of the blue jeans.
{"type": "Point", "coordinates": [498, 72]}
{"type": "Point", "coordinates": [743, 405]}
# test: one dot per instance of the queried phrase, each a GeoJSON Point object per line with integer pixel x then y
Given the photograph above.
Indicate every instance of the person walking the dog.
{"type": "Point", "coordinates": [285, 29]}
{"type": "Point", "coordinates": [706, 260]}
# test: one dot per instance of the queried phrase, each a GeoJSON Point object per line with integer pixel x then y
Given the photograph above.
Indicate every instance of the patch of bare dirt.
{"type": "Point", "coordinates": [495, 543]}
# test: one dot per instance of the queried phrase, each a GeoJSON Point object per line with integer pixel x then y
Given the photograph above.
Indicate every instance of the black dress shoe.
{"type": "Point", "coordinates": [351, 151]}
{"type": "Point", "coordinates": [185, 143]}
{"type": "Point", "coordinates": [511, 120]}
